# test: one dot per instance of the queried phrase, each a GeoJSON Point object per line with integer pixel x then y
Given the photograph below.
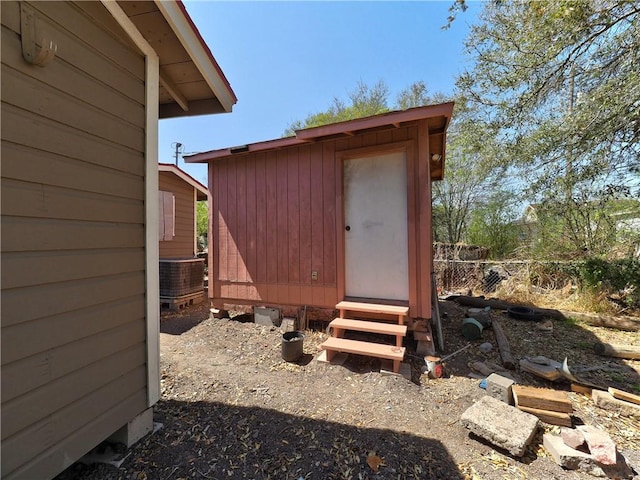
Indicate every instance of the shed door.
{"type": "Point", "coordinates": [375, 213]}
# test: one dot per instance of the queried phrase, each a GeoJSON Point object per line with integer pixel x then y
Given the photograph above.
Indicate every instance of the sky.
{"type": "Point", "coordinates": [287, 60]}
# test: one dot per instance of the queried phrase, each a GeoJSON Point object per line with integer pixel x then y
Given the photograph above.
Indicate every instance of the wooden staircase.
{"type": "Point", "coordinates": [337, 342]}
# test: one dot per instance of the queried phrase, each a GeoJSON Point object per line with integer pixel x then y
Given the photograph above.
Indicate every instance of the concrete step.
{"type": "Point", "coordinates": [365, 326]}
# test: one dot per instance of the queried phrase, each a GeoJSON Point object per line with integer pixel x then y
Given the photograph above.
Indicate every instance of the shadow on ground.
{"type": "Point", "coordinates": [219, 441]}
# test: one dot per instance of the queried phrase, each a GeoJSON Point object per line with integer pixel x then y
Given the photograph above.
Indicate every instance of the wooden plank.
{"type": "Point", "coordinates": [60, 171]}
{"type": "Point", "coordinates": [631, 352]}
{"type": "Point", "coordinates": [46, 102]}
{"type": "Point", "coordinates": [272, 217]}
{"type": "Point", "coordinates": [67, 327]}
{"type": "Point", "coordinates": [18, 305]}
{"type": "Point", "coordinates": [371, 327]}
{"type": "Point", "coordinates": [542, 398]}
{"type": "Point", "coordinates": [24, 199]}
{"type": "Point", "coordinates": [503, 345]}
{"type": "Point", "coordinates": [98, 409]}
{"type": "Point", "coordinates": [626, 396]}
{"type": "Point", "coordinates": [221, 233]}
{"type": "Point", "coordinates": [577, 388]}
{"type": "Point", "coordinates": [74, 82]}
{"type": "Point", "coordinates": [363, 348]}
{"type": "Point", "coordinates": [282, 218]}
{"type": "Point", "coordinates": [317, 214]}
{"type": "Point", "coordinates": [241, 220]}
{"type": "Point", "coordinates": [304, 207]}
{"type": "Point", "coordinates": [548, 372]}
{"type": "Point", "coordinates": [261, 219]}
{"type": "Point", "coordinates": [231, 218]}
{"type": "Point", "coordinates": [251, 259]}
{"type": "Point", "coordinates": [24, 128]}
{"type": "Point", "coordinates": [548, 416]}
{"type": "Point", "coordinates": [25, 234]}
{"type": "Point", "coordinates": [329, 226]}
{"type": "Point", "coordinates": [39, 268]}
{"type": "Point", "coordinates": [373, 308]}
{"type": "Point", "coordinates": [47, 367]}
{"type": "Point", "coordinates": [293, 217]}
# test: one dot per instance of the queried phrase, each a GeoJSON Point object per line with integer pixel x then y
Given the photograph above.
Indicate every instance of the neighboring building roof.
{"type": "Point", "coordinates": [191, 81]}
{"type": "Point", "coordinates": [438, 117]}
{"type": "Point", "coordinates": [203, 192]}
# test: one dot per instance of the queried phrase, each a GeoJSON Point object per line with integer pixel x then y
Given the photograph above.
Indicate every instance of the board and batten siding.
{"type": "Point", "coordinates": [183, 244]}
{"type": "Point", "coordinates": [274, 220]}
{"type": "Point", "coordinates": [73, 238]}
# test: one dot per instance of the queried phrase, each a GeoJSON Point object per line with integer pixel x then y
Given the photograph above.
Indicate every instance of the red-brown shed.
{"type": "Point", "coordinates": [338, 212]}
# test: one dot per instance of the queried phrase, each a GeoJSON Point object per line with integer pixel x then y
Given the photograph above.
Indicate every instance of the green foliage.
{"type": "Point", "coordinates": [557, 86]}
{"type": "Point", "coordinates": [613, 276]}
{"type": "Point", "coordinates": [492, 225]}
{"type": "Point", "coordinates": [202, 223]}
{"type": "Point", "coordinates": [364, 101]}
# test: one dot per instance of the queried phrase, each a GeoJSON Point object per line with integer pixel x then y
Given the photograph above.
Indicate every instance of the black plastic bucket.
{"type": "Point", "coordinates": [292, 343]}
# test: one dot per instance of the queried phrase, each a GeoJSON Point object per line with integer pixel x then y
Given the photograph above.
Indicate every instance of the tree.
{"type": "Point", "coordinates": [559, 82]}
{"type": "Point", "coordinates": [202, 223]}
{"type": "Point", "coordinates": [363, 102]}
{"type": "Point", "coordinates": [492, 225]}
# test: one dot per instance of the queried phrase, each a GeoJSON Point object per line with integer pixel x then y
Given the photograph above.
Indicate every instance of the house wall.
{"type": "Point", "coordinates": [183, 244]}
{"type": "Point", "coordinates": [73, 238]}
{"type": "Point", "coordinates": [276, 217]}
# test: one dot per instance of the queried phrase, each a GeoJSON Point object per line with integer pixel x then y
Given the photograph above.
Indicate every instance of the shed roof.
{"type": "Point", "coordinates": [191, 81]}
{"type": "Point", "coordinates": [203, 192]}
{"type": "Point", "coordinates": [438, 117]}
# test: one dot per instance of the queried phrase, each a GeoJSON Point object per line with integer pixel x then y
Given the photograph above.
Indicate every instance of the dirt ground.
{"type": "Point", "coordinates": [232, 408]}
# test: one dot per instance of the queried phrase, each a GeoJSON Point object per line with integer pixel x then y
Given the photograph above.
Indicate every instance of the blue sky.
{"type": "Point", "coordinates": [286, 60]}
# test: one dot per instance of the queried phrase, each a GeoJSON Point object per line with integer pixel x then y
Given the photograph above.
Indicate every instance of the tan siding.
{"type": "Point", "coordinates": [72, 265]}
{"type": "Point", "coordinates": [182, 245]}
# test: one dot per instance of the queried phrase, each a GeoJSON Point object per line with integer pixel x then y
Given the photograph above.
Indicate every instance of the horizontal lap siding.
{"type": "Point", "coordinates": [73, 256]}
{"type": "Point", "coordinates": [274, 221]}
{"type": "Point", "coordinates": [182, 245]}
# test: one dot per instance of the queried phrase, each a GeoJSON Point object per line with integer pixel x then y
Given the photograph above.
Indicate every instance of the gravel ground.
{"type": "Point", "coordinates": [231, 408]}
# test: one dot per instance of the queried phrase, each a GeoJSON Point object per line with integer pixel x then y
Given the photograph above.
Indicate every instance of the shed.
{"type": "Point", "coordinates": [83, 87]}
{"type": "Point", "coordinates": [338, 212]}
{"type": "Point", "coordinates": [181, 271]}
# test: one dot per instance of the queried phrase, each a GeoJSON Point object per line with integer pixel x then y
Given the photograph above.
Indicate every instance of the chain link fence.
{"type": "Point", "coordinates": [478, 276]}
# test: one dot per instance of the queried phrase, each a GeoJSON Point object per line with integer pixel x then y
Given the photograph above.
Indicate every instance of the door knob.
{"type": "Point", "coordinates": [347, 228]}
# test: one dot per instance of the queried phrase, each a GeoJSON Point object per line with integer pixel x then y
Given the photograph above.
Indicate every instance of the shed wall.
{"type": "Point", "coordinates": [183, 244]}
{"type": "Point", "coordinates": [275, 220]}
{"type": "Point", "coordinates": [73, 238]}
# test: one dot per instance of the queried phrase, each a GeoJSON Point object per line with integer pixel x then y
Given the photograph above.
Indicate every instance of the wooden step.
{"type": "Point", "coordinates": [363, 348]}
{"type": "Point", "coordinates": [373, 308]}
{"type": "Point", "coordinates": [371, 327]}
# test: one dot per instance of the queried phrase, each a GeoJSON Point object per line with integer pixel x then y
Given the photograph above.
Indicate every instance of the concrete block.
{"type": "Point", "coordinates": [287, 325]}
{"type": "Point", "coordinates": [501, 424]}
{"type": "Point", "coordinates": [135, 429]}
{"type": "Point", "coordinates": [564, 455]}
{"type": "Point", "coordinates": [572, 437]}
{"type": "Point", "coordinates": [499, 387]}
{"type": "Point", "coordinates": [608, 402]}
{"type": "Point", "coordinates": [600, 444]}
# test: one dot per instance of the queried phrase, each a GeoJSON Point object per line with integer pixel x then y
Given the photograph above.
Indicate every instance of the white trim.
{"type": "Point", "coordinates": [152, 80]}
{"type": "Point", "coordinates": [191, 43]}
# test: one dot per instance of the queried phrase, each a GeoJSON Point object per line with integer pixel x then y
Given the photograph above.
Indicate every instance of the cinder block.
{"type": "Point", "coordinates": [135, 429]}
{"type": "Point", "coordinates": [499, 387]}
{"type": "Point", "coordinates": [501, 424]}
{"type": "Point", "coordinates": [563, 454]}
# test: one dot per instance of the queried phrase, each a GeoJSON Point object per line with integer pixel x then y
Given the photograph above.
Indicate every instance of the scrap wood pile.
{"type": "Point", "coordinates": [573, 401]}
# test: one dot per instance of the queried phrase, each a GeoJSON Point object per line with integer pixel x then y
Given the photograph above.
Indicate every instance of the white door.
{"type": "Point", "coordinates": [375, 219]}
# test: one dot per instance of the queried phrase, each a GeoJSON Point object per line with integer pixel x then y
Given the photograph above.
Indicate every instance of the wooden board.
{"type": "Point", "coordinates": [371, 327]}
{"type": "Point", "coordinates": [373, 308]}
{"type": "Point", "coordinates": [542, 398]}
{"type": "Point", "coordinates": [363, 348]}
{"type": "Point", "coordinates": [548, 416]}
{"type": "Point", "coordinates": [548, 372]}
{"type": "Point", "coordinates": [626, 396]}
